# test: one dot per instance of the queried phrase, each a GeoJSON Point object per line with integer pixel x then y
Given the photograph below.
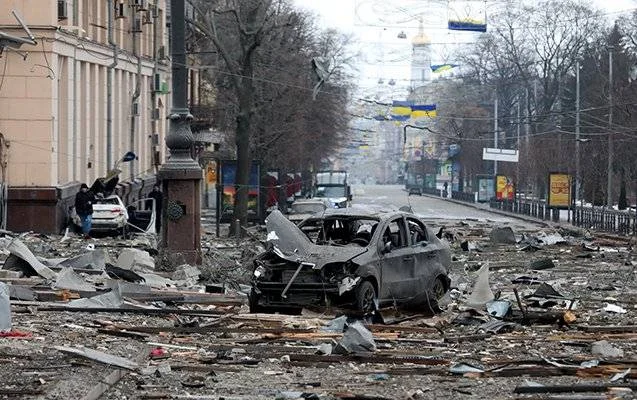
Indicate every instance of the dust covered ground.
{"type": "Point", "coordinates": [180, 342]}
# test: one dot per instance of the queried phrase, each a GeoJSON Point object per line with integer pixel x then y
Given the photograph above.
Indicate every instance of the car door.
{"type": "Point", "coordinates": [425, 253]}
{"type": "Point", "coordinates": [397, 263]}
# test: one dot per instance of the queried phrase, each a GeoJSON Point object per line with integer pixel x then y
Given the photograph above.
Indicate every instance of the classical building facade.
{"type": "Point", "coordinates": [93, 87]}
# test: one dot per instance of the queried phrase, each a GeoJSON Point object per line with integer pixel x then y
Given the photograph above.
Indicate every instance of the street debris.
{"type": "Point", "coordinates": [116, 321]}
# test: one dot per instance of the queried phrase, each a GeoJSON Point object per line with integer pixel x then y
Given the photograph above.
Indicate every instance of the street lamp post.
{"type": "Point", "coordinates": [180, 175]}
{"type": "Point", "coordinates": [609, 168]}
{"type": "Point", "coordinates": [578, 172]}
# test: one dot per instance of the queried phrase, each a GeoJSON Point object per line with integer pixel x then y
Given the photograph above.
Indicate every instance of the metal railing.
{"type": "Point", "coordinates": [533, 208]}
{"type": "Point", "coordinates": [601, 219]}
{"type": "Point", "coordinates": [596, 218]}
{"type": "Point", "coordinates": [468, 197]}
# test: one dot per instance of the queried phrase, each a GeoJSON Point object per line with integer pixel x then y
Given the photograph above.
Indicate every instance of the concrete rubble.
{"type": "Point", "coordinates": [115, 321]}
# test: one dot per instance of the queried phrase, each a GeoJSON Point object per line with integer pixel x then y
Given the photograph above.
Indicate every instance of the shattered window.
{"type": "Point", "coordinates": [417, 231]}
{"type": "Point", "coordinates": [394, 234]}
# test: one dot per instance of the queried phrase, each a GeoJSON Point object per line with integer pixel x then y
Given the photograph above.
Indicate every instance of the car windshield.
{"type": "Point", "coordinates": [340, 231]}
{"type": "Point", "coordinates": [307, 208]}
{"type": "Point", "coordinates": [330, 191]}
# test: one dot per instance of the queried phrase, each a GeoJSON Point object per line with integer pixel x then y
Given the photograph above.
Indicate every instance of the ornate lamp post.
{"type": "Point", "coordinates": [180, 175]}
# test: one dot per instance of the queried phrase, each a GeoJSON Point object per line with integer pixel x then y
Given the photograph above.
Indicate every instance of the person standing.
{"type": "Point", "coordinates": [157, 195]}
{"type": "Point", "coordinates": [84, 200]}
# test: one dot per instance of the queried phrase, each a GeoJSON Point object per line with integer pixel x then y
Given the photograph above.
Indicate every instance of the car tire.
{"type": "Point", "coordinates": [366, 297]}
{"type": "Point", "coordinates": [253, 303]}
{"type": "Point", "coordinates": [438, 288]}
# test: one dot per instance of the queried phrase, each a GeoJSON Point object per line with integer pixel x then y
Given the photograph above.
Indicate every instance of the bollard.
{"type": "Point", "coordinates": [237, 228]}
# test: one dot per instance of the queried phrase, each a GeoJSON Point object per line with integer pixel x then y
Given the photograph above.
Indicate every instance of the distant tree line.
{"type": "Point", "coordinates": [527, 60]}
{"type": "Point", "coordinates": [280, 85]}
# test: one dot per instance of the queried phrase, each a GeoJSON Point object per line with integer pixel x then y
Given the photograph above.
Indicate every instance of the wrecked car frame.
{"type": "Point", "coordinates": [353, 258]}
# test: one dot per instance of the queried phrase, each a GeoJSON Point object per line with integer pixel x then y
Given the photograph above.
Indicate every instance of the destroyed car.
{"type": "Point", "coordinates": [359, 259]}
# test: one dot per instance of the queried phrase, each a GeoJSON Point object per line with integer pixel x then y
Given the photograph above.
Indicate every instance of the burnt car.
{"type": "Point", "coordinates": [353, 258]}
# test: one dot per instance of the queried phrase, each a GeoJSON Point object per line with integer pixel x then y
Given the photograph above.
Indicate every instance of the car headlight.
{"type": "Point", "coordinates": [259, 271]}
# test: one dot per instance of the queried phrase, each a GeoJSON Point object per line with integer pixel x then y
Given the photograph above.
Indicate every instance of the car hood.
{"type": "Point", "coordinates": [291, 244]}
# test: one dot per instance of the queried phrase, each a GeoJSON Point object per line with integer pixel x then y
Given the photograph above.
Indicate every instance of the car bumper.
{"type": "Point", "coordinates": [107, 224]}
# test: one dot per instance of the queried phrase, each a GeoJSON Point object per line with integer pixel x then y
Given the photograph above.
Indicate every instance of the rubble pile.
{"type": "Point", "coordinates": [531, 312]}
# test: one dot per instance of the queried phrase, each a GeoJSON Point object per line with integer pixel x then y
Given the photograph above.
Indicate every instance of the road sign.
{"type": "Point", "coordinates": [500, 154]}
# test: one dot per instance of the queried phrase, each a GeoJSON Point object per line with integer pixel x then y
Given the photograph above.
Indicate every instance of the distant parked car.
{"type": "Point", "coordinates": [304, 208]}
{"type": "Point", "coordinates": [352, 258]}
{"type": "Point", "coordinates": [109, 215]}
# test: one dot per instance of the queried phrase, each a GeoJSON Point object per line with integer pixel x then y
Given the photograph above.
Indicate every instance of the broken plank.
{"type": "Point", "coordinates": [100, 357]}
{"type": "Point", "coordinates": [608, 328]}
{"type": "Point", "coordinates": [571, 388]}
{"type": "Point", "coordinates": [145, 311]}
{"type": "Point", "coordinates": [111, 379]}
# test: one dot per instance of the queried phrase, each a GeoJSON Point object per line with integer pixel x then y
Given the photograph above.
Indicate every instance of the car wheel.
{"type": "Point", "coordinates": [366, 298]}
{"type": "Point", "coordinates": [438, 289]}
{"type": "Point", "coordinates": [253, 303]}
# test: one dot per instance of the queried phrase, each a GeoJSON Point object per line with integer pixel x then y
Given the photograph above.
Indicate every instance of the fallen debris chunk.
{"type": "Point", "coordinates": [95, 259]}
{"type": "Point", "coordinates": [504, 235]}
{"type": "Point", "coordinates": [356, 339]}
{"type": "Point", "coordinates": [549, 239]}
{"type": "Point", "coordinates": [545, 263]}
{"type": "Point", "coordinates": [612, 308]}
{"type": "Point", "coordinates": [5, 308]}
{"type": "Point", "coordinates": [496, 327]}
{"type": "Point", "coordinates": [122, 273]}
{"type": "Point", "coordinates": [100, 357]}
{"type": "Point", "coordinates": [135, 260]}
{"type": "Point", "coordinates": [481, 293]}
{"type": "Point", "coordinates": [112, 299]}
{"type": "Point", "coordinates": [30, 265]}
{"type": "Point", "coordinates": [498, 308]}
{"type": "Point", "coordinates": [605, 349]}
{"type": "Point", "coordinates": [67, 278]}
{"type": "Point", "coordinates": [464, 368]}
{"type": "Point", "coordinates": [186, 275]}
{"type": "Point", "coordinates": [620, 375]}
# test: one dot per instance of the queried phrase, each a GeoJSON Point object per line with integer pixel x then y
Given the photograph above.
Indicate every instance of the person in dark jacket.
{"type": "Point", "coordinates": [157, 195]}
{"type": "Point", "coordinates": [84, 200]}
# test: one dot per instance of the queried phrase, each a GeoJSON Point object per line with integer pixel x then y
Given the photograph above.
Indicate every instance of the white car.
{"type": "Point", "coordinates": [109, 214]}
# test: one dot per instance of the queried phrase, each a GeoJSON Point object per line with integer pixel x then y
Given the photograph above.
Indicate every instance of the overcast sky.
{"type": "Point", "coordinates": [377, 23]}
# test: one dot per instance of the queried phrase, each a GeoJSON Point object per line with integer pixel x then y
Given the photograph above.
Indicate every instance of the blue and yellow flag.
{"type": "Point", "coordinates": [423, 110]}
{"type": "Point", "coordinates": [442, 67]}
{"type": "Point", "coordinates": [467, 15]}
{"type": "Point", "coordinates": [401, 110]}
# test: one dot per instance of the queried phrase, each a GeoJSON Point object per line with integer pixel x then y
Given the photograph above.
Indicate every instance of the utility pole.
{"type": "Point", "coordinates": [609, 169]}
{"type": "Point", "coordinates": [495, 132]}
{"type": "Point", "coordinates": [578, 172]}
{"type": "Point", "coordinates": [180, 175]}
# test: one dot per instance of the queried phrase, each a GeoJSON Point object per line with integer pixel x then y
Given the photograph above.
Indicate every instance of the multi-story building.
{"type": "Point", "coordinates": [93, 87]}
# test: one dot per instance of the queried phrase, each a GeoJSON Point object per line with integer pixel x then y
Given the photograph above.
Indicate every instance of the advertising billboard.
{"type": "Point", "coordinates": [227, 175]}
{"type": "Point", "coordinates": [559, 190]}
{"type": "Point", "coordinates": [485, 188]}
{"type": "Point", "coordinates": [504, 188]}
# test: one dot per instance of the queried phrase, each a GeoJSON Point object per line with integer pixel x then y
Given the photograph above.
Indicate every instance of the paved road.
{"type": "Point", "coordinates": [425, 206]}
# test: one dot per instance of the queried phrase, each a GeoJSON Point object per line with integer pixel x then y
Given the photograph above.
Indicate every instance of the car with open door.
{"type": "Point", "coordinates": [352, 258]}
